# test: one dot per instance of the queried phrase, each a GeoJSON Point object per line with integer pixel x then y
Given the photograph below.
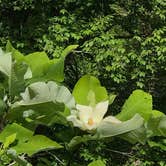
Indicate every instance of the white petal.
{"type": "Point", "coordinates": [84, 112]}
{"type": "Point", "coordinates": [112, 119]}
{"type": "Point", "coordinates": [75, 121]}
{"type": "Point", "coordinates": [99, 111]}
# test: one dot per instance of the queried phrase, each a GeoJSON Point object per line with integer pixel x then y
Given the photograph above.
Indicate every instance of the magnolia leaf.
{"type": "Point", "coordinates": [97, 163]}
{"type": "Point", "coordinates": [162, 126]}
{"type": "Point", "coordinates": [156, 125]}
{"type": "Point", "coordinates": [38, 62]}
{"type": "Point", "coordinates": [55, 70]}
{"type": "Point", "coordinates": [28, 74]}
{"type": "Point", "coordinates": [85, 87]}
{"type": "Point", "coordinates": [5, 63]}
{"type": "Point", "coordinates": [9, 140]}
{"type": "Point", "coordinates": [16, 80]}
{"type": "Point", "coordinates": [41, 92]}
{"type": "Point", "coordinates": [41, 67]}
{"type": "Point", "coordinates": [138, 102]}
{"type": "Point", "coordinates": [111, 98]}
{"type": "Point", "coordinates": [15, 72]}
{"type": "Point", "coordinates": [35, 144]}
{"type": "Point", "coordinates": [137, 135]}
{"type": "Point", "coordinates": [109, 129]}
{"type": "Point", "coordinates": [46, 100]}
{"type": "Point", "coordinates": [19, 57]}
{"type": "Point", "coordinates": [68, 50]}
{"type": "Point", "coordinates": [27, 142]}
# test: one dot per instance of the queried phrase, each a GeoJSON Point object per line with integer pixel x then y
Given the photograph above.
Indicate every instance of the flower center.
{"type": "Point", "coordinates": [90, 121]}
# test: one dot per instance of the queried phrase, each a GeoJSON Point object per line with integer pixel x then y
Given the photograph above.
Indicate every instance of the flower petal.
{"type": "Point", "coordinates": [75, 121]}
{"type": "Point", "coordinates": [111, 119]}
{"type": "Point", "coordinates": [99, 111]}
{"type": "Point", "coordinates": [84, 112]}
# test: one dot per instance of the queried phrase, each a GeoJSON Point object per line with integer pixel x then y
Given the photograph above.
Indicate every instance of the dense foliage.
{"type": "Point", "coordinates": [120, 42]}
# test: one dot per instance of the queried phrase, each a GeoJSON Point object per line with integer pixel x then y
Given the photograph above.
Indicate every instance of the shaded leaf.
{"type": "Point", "coordinates": [109, 129]}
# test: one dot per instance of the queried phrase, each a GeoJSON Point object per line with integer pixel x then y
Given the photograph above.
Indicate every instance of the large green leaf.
{"type": "Point", "coordinates": [15, 71]}
{"type": "Point", "coordinates": [5, 63]}
{"type": "Point", "coordinates": [27, 142]}
{"type": "Point", "coordinates": [41, 92]}
{"type": "Point", "coordinates": [156, 125]}
{"type": "Point", "coordinates": [19, 57]}
{"type": "Point", "coordinates": [89, 91]}
{"type": "Point", "coordinates": [68, 50]}
{"type": "Point", "coordinates": [16, 80]}
{"type": "Point", "coordinates": [43, 103]}
{"type": "Point", "coordinates": [137, 135]}
{"type": "Point", "coordinates": [43, 69]}
{"type": "Point", "coordinates": [109, 129]}
{"type": "Point", "coordinates": [36, 144]}
{"type": "Point", "coordinates": [22, 133]}
{"type": "Point", "coordinates": [38, 62]}
{"type": "Point", "coordinates": [139, 102]}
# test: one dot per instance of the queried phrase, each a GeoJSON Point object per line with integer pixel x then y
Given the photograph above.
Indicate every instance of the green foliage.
{"type": "Point", "coordinates": [143, 106]}
{"type": "Point", "coordinates": [120, 42]}
{"type": "Point", "coordinates": [26, 142]}
{"type": "Point", "coordinates": [108, 129]}
{"type": "Point", "coordinates": [89, 91]}
{"type": "Point", "coordinates": [42, 104]}
{"type": "Point", "coordinates": [36, 100]}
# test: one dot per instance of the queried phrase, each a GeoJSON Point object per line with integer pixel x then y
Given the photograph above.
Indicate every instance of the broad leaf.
{"type": "Point", "coordinates": [9, 140]}
{"type": "Point", "coordinates": [43, 103]}
{"type": "Point", "coordinates": [15, 73]}
{"type": "Point", "coordinates": [41, 92]}
{"type": "Point", "coordinates": [88, 91]}
{"type": "Point", "coordinates": [38, 62]}
{"type": "Point", "coordinates": [109, 129]}
{"type": "Point", "coordinates": [68, 50]}
{"type": "Point", "coordinates": [137, 135]}
{"type": "Point", "coordinates": [19, 57]}
{"type": "Point", "coordinates": [43, 69]}
{"type": "Point", "coordinates": [139, 102]}
{"type": "Point", "coordinates": [35, 144]}
{"type": "Point", "coordinates": [5, 63]}
{"type": "Point", "coordinates": [156, 125]}
{"type": "Point", "coordinates": [22, 133]}
{"type": "Point", "coordinates": [27, 142]}
{"type": "Point", "coordinates": [16, 80]}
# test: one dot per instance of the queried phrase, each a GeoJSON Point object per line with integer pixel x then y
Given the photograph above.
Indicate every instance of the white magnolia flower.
{"type": "Point", "coordinates": [89, 118]}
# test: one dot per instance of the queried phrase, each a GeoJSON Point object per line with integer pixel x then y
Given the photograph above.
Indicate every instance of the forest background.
{"type": "Point", "coordinates": [121, 42]}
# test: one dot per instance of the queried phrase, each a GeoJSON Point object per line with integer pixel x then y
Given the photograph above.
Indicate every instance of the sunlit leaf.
{"type": "Point", "coordinates": [139, 102]}
{"type": "Point", "coordinates": [27, 142]}
{"type": "Point", "coordinates": [85, 87]}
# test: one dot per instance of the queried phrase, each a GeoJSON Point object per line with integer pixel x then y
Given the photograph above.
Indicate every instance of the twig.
{"type": "Point", "coordinates": [56, 158]}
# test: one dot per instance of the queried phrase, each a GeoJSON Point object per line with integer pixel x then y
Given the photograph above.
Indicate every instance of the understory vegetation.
{"type": "Point", "coordinates": [83, 83]}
